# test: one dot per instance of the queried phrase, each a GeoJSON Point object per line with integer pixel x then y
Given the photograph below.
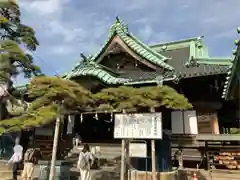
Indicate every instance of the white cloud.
{"type": "Point", "coordinates": [67, 27]}
{"type": "Point", "coordinates": [67, 33]}
{"type": "Point", "coordinates": [146, 32]}
{"type": "Point", "coordinates": [231, 33]}
{"type": "Point", "coordinates": [44, 7]}
{"type": "Point", "coordinates": [152, 36]}
{"type": "Point", "coordinates": [60, 50]}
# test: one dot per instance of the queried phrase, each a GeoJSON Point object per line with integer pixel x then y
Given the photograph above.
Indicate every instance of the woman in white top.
{"type": "Point", "coordinates": [16, 159]}
{"type": "Point", "coordinates": [85, 162]}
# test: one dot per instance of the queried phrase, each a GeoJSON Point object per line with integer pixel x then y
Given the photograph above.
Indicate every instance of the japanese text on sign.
{"type": "Point", "coordinates": [138, 126]}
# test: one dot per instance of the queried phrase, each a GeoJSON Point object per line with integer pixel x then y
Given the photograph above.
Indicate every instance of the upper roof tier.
{"type": "Point", "coordinates": [180, 59]}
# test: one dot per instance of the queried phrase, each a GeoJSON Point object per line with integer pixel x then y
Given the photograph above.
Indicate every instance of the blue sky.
{"type": "Point", "coordinates": [65, 28]}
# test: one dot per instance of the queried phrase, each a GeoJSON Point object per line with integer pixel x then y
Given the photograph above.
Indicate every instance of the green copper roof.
{"type": "Point", "coordinates": [172, 45]}
{"type": "Point", "coordinates": [232, 69]}
{"type": "Point", "coordinates": [91, 68]}
{"type": "Point", "coordinates": [226, 61]}
{"type": "Point", "coordinates": [197, 51]}
{"type": "Point", "coordinates": [120, 29]}
{"type": "Point", "coordinates": [186, 58]}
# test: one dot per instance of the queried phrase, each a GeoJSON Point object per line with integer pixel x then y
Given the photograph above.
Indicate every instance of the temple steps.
{"type": "Point", "coordinates": [107, 156]}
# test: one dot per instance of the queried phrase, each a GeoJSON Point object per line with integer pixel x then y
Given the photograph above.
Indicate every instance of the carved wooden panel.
{"type": "Point", "coordinates": [123, 62]}
{"type": "Point", "coordinates": [115, 49]}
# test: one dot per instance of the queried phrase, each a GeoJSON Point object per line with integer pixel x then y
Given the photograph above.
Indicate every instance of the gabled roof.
{"type": "Point", "coordinates": [183, 58]}
{"type": "Point", "coordinates": [120, 29]}
{"type": "Point", "coordinates": [233, 70]}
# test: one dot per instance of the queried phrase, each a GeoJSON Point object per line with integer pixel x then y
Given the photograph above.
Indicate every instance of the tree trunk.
{"type": "Point", "coordinates": [3, 109]}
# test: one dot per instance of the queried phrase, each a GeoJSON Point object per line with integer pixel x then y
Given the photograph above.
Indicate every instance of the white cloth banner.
{"type": "Point", "coordinates": [70, 125]}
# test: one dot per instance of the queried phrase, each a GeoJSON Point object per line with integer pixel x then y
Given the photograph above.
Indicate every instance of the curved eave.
{"type": "Point", "coordinates": [99, 73]}
{"type": "Point", "coordinates": [108, 78]}
{"type": "Point", "coordinates": [230, 74]}
{"type": "Point", "coordinates": [146, 52]}
{"type": "Point", "coordinates": [232, 70]}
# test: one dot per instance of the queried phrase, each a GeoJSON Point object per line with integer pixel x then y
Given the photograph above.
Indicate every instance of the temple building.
{"type": "Point", "coordinates": [212, 85]}
{"type": "Point", "coordinates": [183, 64]}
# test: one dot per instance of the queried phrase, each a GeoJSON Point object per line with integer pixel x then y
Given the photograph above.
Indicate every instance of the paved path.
{"type": "Point", "coordinates": [105, 173]}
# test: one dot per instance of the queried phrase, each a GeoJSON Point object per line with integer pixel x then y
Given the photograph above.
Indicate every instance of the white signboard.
{"type": "Point", "coordinates": [190, 122]}
{"type": "Point", "coordinates": [138, 150]}
{"type": "Point", "coordinates": [184, 122]}
{"type": "Point", "coordinates": [138, 126]}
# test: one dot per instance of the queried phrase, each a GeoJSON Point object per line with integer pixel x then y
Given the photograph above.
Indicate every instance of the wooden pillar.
{"type": "Point", "coordinates": [215, 124]}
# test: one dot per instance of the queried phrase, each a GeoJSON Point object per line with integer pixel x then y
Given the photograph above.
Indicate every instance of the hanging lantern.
{"type": "Point", "coordinates": [111, 119]}
{"type": "Point", "coordinates": [81, 118]}
{"type": "Point", "coordinates": [96, 116]}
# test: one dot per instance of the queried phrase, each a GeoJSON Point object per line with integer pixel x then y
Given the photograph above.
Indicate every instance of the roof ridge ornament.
{"type": "Point", "coordinates": [83, 57]}
{"type": "Point", "coordinates": [238, 30]}
{"type": "Point", "coordinates": [118, 20]}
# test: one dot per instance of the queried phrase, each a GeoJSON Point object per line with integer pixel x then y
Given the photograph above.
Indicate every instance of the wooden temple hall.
{"type": "Point", "coordinates": [183, 64]}
{"type": "Point", "coordinates": [210, 83]}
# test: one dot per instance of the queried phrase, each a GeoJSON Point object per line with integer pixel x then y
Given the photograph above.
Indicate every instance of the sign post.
{"type": "Point", "coordinates": [138, 126]}
{"type": "Point", "coordinates": [138, 148]}
{"type": "Point", "coordinates": [123, 160]}
{"type": "Point", "coordinates": [154, 177]}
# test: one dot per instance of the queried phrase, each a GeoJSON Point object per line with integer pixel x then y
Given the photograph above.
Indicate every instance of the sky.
{"type": "Point", "coordinates": [66, 28]}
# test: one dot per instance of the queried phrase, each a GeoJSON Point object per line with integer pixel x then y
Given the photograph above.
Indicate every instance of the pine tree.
{"type": "Point", "coordinates": [45, 91]}
{"type": "Point", "coordinates": [16, 39]}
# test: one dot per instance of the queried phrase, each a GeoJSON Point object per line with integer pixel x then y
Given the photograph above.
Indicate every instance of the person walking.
{"type": "Point", "coordinates": [31, 157]}
{"type": "Point", "coordinates": [85, 162]}
{"type": "Point", "coordinates": [16, 159]}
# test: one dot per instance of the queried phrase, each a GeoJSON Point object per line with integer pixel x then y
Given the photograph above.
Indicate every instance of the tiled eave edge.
{"type": "Point", "coordinates": [193, 75]}
{"type": "Point", "coordinates": [226, 61]}
{"type": "Point", "coordinates": [109, 79]}
{"type": "Point", "coordinates": [178, 44]}
{"type": "Point", "coordinates": [99, 73]}
{"type": "Point", "coordinates": [146, 52]}
{"type": "Point", "coordinates": [232, 69]}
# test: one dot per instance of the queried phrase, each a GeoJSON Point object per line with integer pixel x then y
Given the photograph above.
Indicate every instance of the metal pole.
{"type": "Point", "coordinates": [153, 160]}
{"type": "Point", "coordinates": [154, 177]}
{"type": "Point", "coordinates": [123, 160]}
{"type": "Point", "coordinates": [54, 150]}
{"type": "Point", "coordinates": [127, 158]}
{"type": "Point", "coordinates": [123, 163]}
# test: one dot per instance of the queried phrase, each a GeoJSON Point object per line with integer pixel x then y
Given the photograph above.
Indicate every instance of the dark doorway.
{"type": "Point", "coordinates": [95, 128]}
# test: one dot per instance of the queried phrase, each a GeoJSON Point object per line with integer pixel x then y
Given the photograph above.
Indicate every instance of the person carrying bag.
{"type": "Point", "coordinates": [85, 161]}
